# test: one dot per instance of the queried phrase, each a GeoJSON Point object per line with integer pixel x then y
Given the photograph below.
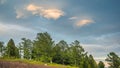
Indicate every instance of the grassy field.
{"type": "Point", "coordinates": [30, 64]}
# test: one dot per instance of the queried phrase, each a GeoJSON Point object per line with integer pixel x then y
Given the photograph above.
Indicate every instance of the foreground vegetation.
{"type": "Point", "coordinates": [24, 63]}
{"type": "Point", "coordinates": [43, 49]}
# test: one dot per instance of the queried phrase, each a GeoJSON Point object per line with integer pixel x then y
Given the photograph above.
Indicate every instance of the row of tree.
{"type": "Point", "coordinates": [44, 49]}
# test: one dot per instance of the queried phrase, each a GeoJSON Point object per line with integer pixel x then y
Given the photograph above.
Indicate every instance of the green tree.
{"type": "Point", "coordinates": [43, 47]}
{"type": "Point", "coordinates": [114, 60]}
{"type": "Point", "coordinates": [77, 52]}
{"type": "Point", "coordinates": [57, 57]}
{"type": "Point", "coordinates": [25, 47]}
{"type": "Point", "coordinates": [11, 49]}
{"type": "Point", "coordinates": [101, 65]}
{"type": "Point", "coordinates": [1, 48]}
{"type": "Point", "coordinates": [92, 62]}
{"type": "Point", "coordinates": [85, 62]}
{"type": "Point", "coordinates": [61, 52]}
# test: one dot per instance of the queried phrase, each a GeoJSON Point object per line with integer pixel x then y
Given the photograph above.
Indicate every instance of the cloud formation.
{"type": "Point", "coordinates": [20, 14]}
{"type": "Point", "coordinates": [49, 13]}
{"type": "Point", "coordinates": [102, 45]}
{"type": "Point", "coordinates": [84, 22]}
{"type": "Point", "coordinates": [73, 18]}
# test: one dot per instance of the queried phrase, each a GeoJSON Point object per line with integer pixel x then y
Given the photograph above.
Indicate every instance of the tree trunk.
{"type": "Point", "coordinates": [51, 61]}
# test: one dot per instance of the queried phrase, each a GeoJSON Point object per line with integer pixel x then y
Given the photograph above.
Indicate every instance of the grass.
{"type": "Point", "coordinates": [61, 66]}
{"type": "Point", "coordinates": [36, 62]}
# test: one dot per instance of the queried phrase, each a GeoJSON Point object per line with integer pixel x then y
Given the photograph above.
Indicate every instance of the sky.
{"type": "Point", "coordinates": [95, 23]}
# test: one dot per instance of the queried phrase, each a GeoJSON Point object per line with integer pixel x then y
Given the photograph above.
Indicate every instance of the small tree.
{"type": "Point", "coordinates": [101, 65]}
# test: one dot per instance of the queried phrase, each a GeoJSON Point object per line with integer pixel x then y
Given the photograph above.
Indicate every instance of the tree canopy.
{"type": "Point", "coordinates": [101, 65]}
{"type": "Point", "coordinates": [43, 48]}
{"type": "Point", "coordinates": [11, 49]}
{"type": "Point", "coordinates": [113, 60]}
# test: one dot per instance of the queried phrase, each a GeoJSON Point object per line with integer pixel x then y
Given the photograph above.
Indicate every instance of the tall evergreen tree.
{"type": "Point", "coordinates": [63, 47]}
{"type": "Point", "coordinates": [11, 49]}
{"type": "Point", "coordinates": [43, 46]}
{"type": "Point", "coordinates": [77, 52]}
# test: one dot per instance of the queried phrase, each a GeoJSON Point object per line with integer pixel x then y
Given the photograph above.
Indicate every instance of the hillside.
{"type": "Point", "coordinates": [17, 63]}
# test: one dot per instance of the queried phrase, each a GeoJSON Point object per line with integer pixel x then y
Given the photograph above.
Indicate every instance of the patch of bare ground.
{"type": "Point", "coordinates": [9, 64]}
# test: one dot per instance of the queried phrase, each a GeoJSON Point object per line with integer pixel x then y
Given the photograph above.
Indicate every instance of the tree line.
{"type": "Point", "coordinates": [44, 49]}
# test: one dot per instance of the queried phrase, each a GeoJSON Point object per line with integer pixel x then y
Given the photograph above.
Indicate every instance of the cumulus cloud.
{"type": "Point", "coordinates": [49, 13]}
{"type": "Point", "coordinates": [33, 8]}
{"type": "Point", "coordinates": [84, 22]}
{"type": "Point", "coordinates": [52, 13]}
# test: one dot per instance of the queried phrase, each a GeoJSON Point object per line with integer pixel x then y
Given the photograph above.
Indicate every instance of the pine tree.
{"type": "Point", "coordinates": [43, 46]}
{"type": "Point", "coordinates": [114, 60]}
{"type": "Point", "coordinates": [11, 49]}
{"type": "Point", "coordinates": [77, 52]}
{"type": "Point", "coordinates": [63, 46]}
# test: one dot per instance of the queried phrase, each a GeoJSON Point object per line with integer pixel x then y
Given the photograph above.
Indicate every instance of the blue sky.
{"type": "Point", "coordinates": [95, 23]}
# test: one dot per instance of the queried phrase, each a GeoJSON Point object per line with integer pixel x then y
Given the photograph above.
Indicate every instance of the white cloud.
{"type": "Point", "coordinates": [8, 28]}
{"type": "Point", "coordinates": [20, 14]}
{"type": "Point", "coordinates": [84, 22]}
{"type": "Point", "coordinates": [33, 8]}
{"type": "Point", "coordinates": [73, 18]}
{"type": "Point", "coordinates": [49, 13]}
{"type": "Point", "coordinates": [52, 13]}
